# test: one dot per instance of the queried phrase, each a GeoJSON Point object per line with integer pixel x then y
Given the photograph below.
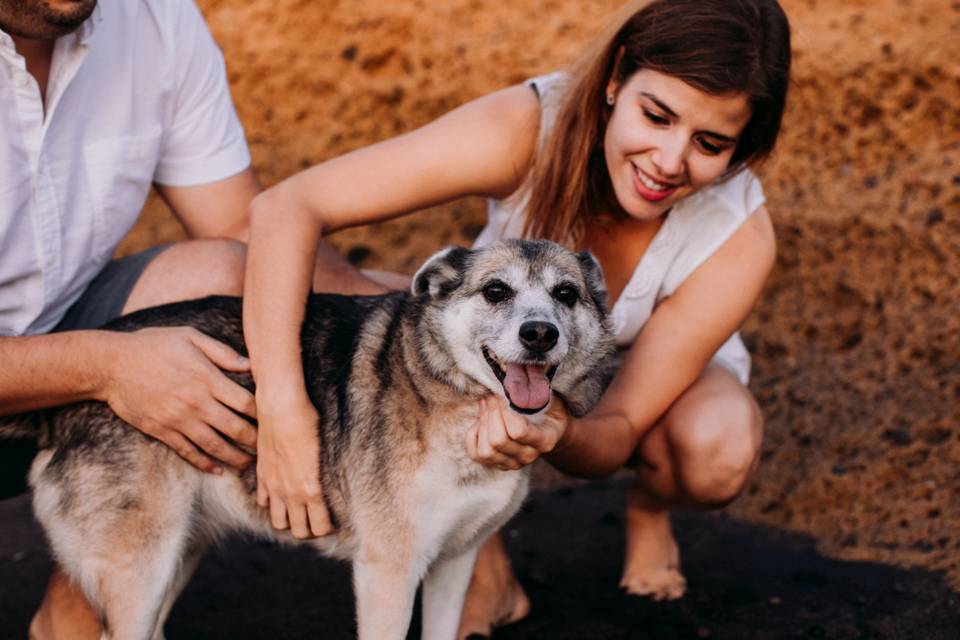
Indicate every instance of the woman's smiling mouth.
{"type": "Point", "coordinates": [650, 189]}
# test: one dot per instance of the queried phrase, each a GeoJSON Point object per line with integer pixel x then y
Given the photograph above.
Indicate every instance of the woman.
{"type": "Point", "coordinates": [640, 155]}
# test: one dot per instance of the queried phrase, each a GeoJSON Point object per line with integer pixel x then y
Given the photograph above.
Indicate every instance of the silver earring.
{"type": "Point", "coordinates": [610, 99]}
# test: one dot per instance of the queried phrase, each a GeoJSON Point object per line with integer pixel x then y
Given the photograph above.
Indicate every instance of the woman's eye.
{"type": "Point", "coordinates": [566, 294]}
{"type": "Point", "coordinates": [655, 118]}
{"type": "Point", "coordinates": [709, 147]}
{"type": "Point", "coordinates": [496, 292]}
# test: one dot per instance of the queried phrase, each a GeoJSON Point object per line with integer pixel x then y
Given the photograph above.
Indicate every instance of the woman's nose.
{"type": "Point", "coordinates": [670, 156]}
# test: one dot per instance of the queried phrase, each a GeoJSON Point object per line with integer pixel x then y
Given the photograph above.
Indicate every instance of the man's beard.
{"type": "Point", "coordinates": [39, 20]}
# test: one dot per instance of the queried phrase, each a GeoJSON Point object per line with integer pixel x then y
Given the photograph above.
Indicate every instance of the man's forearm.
{"type": "Point", "coordinates": [49, 370]}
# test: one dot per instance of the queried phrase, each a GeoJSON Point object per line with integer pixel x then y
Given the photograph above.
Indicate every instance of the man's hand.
{"type": "Point", "coordinates": [288, 465]}
{"type": "Point", "coordinates": [504, 439]}
{"type": "Point", "coordinates": [166, 382]}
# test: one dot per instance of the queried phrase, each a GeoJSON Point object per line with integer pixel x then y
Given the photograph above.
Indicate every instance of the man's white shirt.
{"type": "Point", "coordinates": [138, 94]}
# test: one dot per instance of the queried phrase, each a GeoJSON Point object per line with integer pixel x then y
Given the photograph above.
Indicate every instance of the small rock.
{"type": "Point", "coordinates": [776, 601]}
{"type": "Point", "coordinates": [358, 254]}
{"type": "Point", "coordinates": [609, 518]}
{"type": "Point", "coordinates": [899, 437]}
{"type": "Point", "coordinates": [922, 546]}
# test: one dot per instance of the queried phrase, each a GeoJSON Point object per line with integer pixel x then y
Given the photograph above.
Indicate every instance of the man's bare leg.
{"type": "Point", "coordinates": [186, 270]}
{"type": "Point", "coordinates": [495, 597]}
{"type": "Point", "coordinates": [699, 455]}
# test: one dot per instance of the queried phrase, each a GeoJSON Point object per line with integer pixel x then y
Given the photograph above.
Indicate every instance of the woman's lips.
{"type": "Point", "coordinates": [649, 189]}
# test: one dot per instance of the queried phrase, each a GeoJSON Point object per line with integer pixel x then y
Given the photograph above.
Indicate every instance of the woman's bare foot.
{"type": "Point", "coordinates": [64, 613]}
{"type": "Point", "coordinates": [495, 597]}
{"type": "Point", "coordinates": [652, 565]}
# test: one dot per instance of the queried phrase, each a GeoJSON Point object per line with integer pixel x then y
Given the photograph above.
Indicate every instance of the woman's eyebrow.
{"type": "Point", "coordinates": [659, 103]}
{"type": "Point", "coordinates": [669, 111]}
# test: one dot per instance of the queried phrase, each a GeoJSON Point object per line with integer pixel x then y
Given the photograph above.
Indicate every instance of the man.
{"type": "Point", "coordinates": [96, 104]}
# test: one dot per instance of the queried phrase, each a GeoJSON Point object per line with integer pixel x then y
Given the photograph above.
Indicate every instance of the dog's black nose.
{"type": "Point", "coordinates": [539, 336]}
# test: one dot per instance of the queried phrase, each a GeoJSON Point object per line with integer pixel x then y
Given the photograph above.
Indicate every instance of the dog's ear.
{"type": "Point", "coordinates": [441, 273]}
{"type": "Point", "coordinates": [593, 275]}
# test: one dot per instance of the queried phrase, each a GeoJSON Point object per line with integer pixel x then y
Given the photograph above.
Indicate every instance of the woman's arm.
{"type": "Point", "coordinates": [669, 353]}
{"type": "Point", "coordinates": [671, 350]}
{"type": "Point", "coordinates": [482, 148]}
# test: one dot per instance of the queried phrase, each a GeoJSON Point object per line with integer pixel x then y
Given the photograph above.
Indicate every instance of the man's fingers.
{"type": "Point", "coordinates": [319, 515]}
{"type": "Point", "coordinates": [219, 353]}
{"type": "Point", "coordinates": [211, 443]}
{"type": "Point", "coordinates": [186, 450]}
{"type": "Point", "coordinates": [230, 424]}
{"type": "Point", "coordinates": [233, 395]}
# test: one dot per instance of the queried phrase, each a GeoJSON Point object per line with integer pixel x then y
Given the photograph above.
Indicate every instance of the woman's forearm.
{"type": "Point", "coordinates": [280, 266]}
{"type": "Point", "coordinates": [594, 446]}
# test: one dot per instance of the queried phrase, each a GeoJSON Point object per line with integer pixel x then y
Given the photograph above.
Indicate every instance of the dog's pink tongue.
{"type": "Point", "coordinates": [527, 385]}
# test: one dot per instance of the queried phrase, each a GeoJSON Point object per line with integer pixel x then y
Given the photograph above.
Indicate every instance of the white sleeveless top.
{"type": "Point", "coordinates": [695, 228]}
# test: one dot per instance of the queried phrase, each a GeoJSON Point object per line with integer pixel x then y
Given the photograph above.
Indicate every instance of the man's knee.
{"type": "Point", "coordinates": [716, 449]}
{"type": "Point", "coordinates": [188, 270]}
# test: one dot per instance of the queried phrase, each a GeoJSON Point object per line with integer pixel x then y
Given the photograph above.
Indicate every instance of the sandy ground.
{"type": "Point", "coordinates": [856, 338]}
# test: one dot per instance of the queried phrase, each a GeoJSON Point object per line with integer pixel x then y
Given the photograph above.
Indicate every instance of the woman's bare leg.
{"type": "Point", "coordinates": [699, 455]}
{"type": "Point", "coordinates": [495, 597]}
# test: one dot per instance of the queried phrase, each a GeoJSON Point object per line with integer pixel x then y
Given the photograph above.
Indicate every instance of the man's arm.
{"type": "Point", "coordinates": [221, 210]}
{"type": "Point", "coordinates": [49, 370]}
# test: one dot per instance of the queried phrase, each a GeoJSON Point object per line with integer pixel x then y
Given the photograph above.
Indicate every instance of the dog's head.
{"type": "Point", "coordinates": [521, 318]}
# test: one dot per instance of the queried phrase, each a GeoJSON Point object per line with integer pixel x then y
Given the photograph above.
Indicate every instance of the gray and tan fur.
{"type": "Point", "coordinates": [395, 379]}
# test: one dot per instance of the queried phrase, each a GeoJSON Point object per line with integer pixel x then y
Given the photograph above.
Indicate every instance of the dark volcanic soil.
{"type": "Point", "coordinates": [747, 581]}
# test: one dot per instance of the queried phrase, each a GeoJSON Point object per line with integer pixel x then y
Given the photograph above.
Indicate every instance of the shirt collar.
{"type": "Point", "coordinates": [89, 26]}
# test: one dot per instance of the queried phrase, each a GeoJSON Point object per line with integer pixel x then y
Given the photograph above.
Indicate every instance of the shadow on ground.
{"type": "Point", "coordinates": [746, 581]}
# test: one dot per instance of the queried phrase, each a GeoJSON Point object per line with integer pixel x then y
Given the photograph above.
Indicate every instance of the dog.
{"type": "Point", "coordinates": [396, 380]}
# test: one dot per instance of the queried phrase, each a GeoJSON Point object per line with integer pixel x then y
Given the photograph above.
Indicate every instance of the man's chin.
{"type": "Point", "coordinates": [44, 21]}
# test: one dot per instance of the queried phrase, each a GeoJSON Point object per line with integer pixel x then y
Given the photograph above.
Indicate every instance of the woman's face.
{"type": "Point", "coordinates": [667, 140]}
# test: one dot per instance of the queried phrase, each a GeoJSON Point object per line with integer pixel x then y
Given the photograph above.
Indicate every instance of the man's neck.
{"type": "Point", "coordinates": [39, 57]}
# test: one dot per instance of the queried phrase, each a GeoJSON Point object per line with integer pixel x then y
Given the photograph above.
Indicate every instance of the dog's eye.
{"type": "Point", "coordinates": [566, 294]}
{"type": "Point", "coordinates": [496, 292]}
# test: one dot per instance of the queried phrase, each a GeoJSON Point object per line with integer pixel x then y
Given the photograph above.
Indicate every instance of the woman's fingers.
{"type": "Point", "coordinates": [319, 517]}
{"type": "Point", "coordinates": [278, 513]}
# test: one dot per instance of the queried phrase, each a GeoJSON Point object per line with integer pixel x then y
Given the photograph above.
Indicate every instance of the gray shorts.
{"type": "Point", "coordinates": [102, 301]}
{"type": "Point", "coordinates": [108, 292]}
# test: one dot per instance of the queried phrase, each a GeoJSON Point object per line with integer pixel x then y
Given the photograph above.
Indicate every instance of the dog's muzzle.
{"type": "Point", "coordinates": [526, 384]}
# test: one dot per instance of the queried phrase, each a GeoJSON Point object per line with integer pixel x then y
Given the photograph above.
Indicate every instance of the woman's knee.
{"type": "Point", "coordinates": [715, 445]}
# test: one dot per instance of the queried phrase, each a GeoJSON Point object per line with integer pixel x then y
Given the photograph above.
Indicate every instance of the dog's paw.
{"type": "Point", "coordinates": [658, 583]}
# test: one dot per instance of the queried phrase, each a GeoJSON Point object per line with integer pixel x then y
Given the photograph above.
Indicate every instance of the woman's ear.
{"type": "Point", "coordinates": [613, 84]}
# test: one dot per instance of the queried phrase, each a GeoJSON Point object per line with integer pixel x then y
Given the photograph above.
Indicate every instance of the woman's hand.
{"type": "Point", "coordinates": [505, 439]}
{"type": "Point", "coordinates": [167, 382]}
{"type": "Point", "coordinates": [288, 466]}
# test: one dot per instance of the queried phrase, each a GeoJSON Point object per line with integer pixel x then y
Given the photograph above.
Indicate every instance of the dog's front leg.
{"type": "Point", "coordinates": [444, 590]}
{"type": "Point", "coordinates": [385, 590]}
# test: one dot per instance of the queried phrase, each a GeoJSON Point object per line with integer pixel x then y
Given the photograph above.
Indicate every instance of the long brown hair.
{"type": "Point", "coordinates": [718, 46]}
